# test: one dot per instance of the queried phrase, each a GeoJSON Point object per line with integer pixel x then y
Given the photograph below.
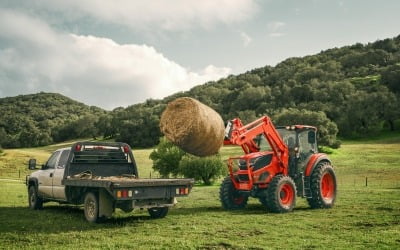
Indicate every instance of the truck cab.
{"type": "Point", "coordinates": [48, 178]}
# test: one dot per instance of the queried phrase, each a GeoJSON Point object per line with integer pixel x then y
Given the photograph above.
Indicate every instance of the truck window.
{"type": "Point", "coordinates": [51, 163]}
{"type": "Point", "coordinates": [63, 159]}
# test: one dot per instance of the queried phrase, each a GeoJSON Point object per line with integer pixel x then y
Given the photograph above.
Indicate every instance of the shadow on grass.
{"type": "Point", "coordinates": [67, 218]}
{"type": "Point", "coordinates": [252, 209]}
{"type": "Point", "coordinates": [57, 219]}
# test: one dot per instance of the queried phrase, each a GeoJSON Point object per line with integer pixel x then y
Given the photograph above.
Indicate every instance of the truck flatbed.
{"type": "Point", "coordinates": [124, 182]}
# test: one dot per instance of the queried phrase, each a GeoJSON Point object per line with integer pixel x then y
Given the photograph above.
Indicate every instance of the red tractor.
{"type": "Point", "coordinates": [279, 164]}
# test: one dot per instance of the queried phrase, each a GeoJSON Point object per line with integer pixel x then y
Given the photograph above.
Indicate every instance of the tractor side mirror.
{"type": "Point", "coordinates": [32, 164]}
{"type": "Point", "coordinates": [311, 137]}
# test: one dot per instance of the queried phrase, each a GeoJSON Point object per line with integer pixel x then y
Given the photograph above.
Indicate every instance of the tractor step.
{"type": "Point", "coordinates": [307, 189]}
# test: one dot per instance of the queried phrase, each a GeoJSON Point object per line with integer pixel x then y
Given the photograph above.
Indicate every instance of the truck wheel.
{"type": "Point", "coordinates": [158, 212]}
{"type": "Point", "coordinates": [281, 195]}
{"type": "Point", "coordinates": [35, 202]}
{"type": "Point", "coordinates": [230, 198]}
{"type": "Point", "coordinates": [91, 207]}
{"type": "Point", "coordinates": [323, 186]}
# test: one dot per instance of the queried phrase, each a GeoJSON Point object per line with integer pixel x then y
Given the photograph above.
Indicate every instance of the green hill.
{"type": "Point", "coordinates": [353, 91]}
{"type": "Point", "coordinates": [40, 119]}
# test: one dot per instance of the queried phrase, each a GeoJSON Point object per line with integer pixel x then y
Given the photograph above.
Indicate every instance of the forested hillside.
{"type": "Point", "coordinates": [353, 91]}
{"type": "Point", "coordinates": [44, 118]}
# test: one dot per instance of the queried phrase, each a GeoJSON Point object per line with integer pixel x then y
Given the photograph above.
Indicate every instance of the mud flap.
{"type": "Point", "coordinates": [106, 206]}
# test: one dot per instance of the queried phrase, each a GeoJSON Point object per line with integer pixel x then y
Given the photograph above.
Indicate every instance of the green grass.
{"type": "Point", "coordinates": [363, 217]}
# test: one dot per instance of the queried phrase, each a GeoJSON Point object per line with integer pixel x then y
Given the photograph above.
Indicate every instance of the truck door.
{"type": "Point", "coordinates": [58, 189]}
{"type": "Point", "coordinates": [45, 187]}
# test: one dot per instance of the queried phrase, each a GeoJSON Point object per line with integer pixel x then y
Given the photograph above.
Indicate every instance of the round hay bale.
{"type": "Point", "coordinates": [193, 126]}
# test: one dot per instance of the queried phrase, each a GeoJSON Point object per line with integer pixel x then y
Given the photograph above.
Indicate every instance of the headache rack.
{"type": "Point", "coordinates": [100, 156]}
{"type": "Point", "coordinates": [102, 159]}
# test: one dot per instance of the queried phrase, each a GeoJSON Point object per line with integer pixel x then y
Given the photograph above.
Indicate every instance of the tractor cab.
{"type": "Point", "coordinates": [302, 144]}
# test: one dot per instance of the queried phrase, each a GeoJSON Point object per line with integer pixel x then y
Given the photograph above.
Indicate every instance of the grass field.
{"type": "Point", "coordinates": [364, 217]}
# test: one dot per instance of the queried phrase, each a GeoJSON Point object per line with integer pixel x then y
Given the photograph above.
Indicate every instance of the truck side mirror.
{"type": "Point", "coordinates": [32, 164]}
{"type": "Point", "coordinates": [311, 137]}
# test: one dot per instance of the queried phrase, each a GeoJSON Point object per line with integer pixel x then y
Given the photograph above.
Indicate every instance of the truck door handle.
{"type": "Point", "coordinates": [51, 174]}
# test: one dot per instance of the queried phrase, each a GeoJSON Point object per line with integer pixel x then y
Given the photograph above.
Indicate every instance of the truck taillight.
{"type": "Point", "coordinates": [182, 191]}
{"type": "Point", "coordinates": [78, 147]}
{"type": "Point", "coordinates": [126, 149]}
{"type": "Point", "coordinates": [124, 193]}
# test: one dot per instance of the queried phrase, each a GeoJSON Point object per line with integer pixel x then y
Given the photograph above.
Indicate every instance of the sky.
{"type": "Point", "coordinates": [122, 52]}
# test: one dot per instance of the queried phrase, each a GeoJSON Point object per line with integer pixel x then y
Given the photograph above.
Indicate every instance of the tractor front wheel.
{"type": "Point", "coordinates": [323, 186]}
{"type": "Point", "coordinates": [281, 195]}
{"type": "Point", "coordinates": [230, 198]}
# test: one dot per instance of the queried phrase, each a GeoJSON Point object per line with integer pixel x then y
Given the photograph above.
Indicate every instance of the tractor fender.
{"type": "Point", "coordinates": [314, 160]}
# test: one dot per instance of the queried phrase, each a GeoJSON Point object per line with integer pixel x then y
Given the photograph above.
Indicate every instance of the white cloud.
{"type": "Point", "coordinates": [168, 15]}
{"type": "Point", "coordinates": [96, 71]}
{"type": "Point", "coordinates": [276, 34]}
{"type": "Point", "coordinates": [275, 28]}
{"type": "Point", "coordinates": [246, 39]}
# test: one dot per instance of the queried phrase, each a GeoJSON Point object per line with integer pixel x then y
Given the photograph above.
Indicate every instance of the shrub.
{"type": "Point", "coordinates": [206, 169]}
{"type": "Point", "coordinates": [166, 157]}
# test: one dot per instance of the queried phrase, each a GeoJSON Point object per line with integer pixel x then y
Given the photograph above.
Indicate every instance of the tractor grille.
{"type": "Point", "coordinates": [242, 165]}
{"type": "Point", "coordinates": [243, 177]}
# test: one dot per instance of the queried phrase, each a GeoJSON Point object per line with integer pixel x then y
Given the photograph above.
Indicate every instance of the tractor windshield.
{"type": "Point", "coordinates": [288, 137]}
{"type": "Point", "coordinates": [262, 143]}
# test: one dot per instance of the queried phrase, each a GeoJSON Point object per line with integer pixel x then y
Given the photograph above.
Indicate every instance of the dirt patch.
{"type": "Point", "coordinates": [193, 126]}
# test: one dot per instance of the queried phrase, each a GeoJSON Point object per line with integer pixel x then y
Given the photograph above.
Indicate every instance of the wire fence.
{"type": "Point", "coordinates": [376, 181]}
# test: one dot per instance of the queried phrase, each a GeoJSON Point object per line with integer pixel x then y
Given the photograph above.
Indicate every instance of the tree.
{"type": "Point", "coordinates": [391, 78]}
{"type": "Point", "coordinates": [327, 130]}
{"type": "Point", "coordinates": [138, 125]}
{"type": "Point", "coordinates": [206, 169]}
{"type": "Point", "coordinates": [166, 157]}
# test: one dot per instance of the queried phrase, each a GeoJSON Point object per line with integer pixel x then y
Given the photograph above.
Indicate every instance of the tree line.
{"type": "Point", "coordinates": [352, 91]}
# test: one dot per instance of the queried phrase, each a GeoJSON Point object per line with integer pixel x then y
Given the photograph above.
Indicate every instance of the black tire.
{"type": "Point", "coordinates": [230, 198]}
{"type": "Point", "coordinates": [323, 186]}
{"type": "Point", "coordinates": [35, 202]}
{"type": "Point", "coordinates": [91, 207]}
{"type": "Point", "coordinates": [158, 212]}
{"type": "Point", "coordinates": [281, 195]}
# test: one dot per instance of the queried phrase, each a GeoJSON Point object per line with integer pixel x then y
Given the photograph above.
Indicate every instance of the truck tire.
{"type": "Point", "coordinates": [158, 212]}
{"type": "Point", "coordinates": [281, 195]}
{"type": "Point", "coordinates": [323, 186]}
{"type": "Point", "coordinates": [230, 198]}
{"type": "Point", "coordinates": [35, 202]}
{"type": "Point", "coordinates": [91, 207]}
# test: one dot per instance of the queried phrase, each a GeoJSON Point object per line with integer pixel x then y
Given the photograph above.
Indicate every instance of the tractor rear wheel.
{"type": "Point", "coordinates": [323, 186]}
{"type": "Point", "coordinates": [230, 198]}
{"type": "Point", "coordinates": [281, 195]}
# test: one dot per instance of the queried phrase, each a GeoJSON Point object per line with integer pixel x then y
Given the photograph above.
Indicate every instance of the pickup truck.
{"type": "Point", "coordinates": [102, 177]}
